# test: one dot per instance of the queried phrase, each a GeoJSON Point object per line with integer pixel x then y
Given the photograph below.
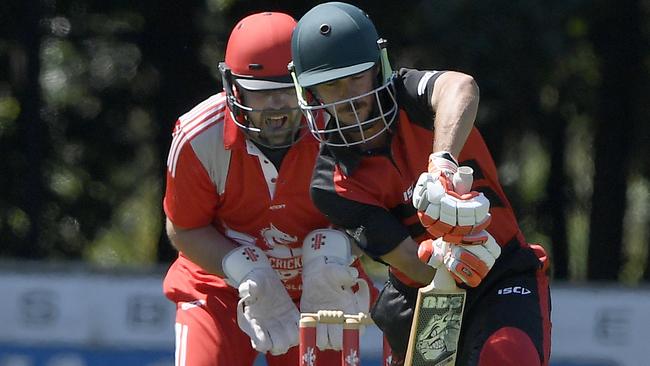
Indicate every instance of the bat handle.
{"type": "Point", "coordinates": [443, 280]}
{"type": "Point", "coordinates": [463, 179]}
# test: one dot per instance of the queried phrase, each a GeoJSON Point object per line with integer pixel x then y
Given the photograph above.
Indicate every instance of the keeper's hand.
{"type": "Point", "coordinates": [468, 263]}
{"type": "Point", "coordinates": [265, 311]}
{"type": "Point", "coordinates": [443, 212]}
{"type": "Point", "coordinates": [329, 282]}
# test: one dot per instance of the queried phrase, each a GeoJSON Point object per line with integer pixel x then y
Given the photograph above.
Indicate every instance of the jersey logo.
{"type": "Point", "coordinates": [278, 246]}
{"type": "Point", "coordinates": [519, 290]}
{"type": "Point", "coordinates": [408, 194]}
{"type": "Point", "coordinates": [274, 236]}
{"type": "Point", "coordinates": [284, 258]}
{"type": "Point", "coordinates": [317, 241]}
{"type": "Point", "coordinates": [251, 255]}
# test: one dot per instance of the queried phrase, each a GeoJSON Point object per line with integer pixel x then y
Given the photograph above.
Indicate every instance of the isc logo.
{"type": "Point", "coordinates": [442, 302]}
{"type": "Point", "coordinates": [514, 290]}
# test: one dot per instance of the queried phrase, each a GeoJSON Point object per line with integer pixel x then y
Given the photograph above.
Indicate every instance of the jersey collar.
{"type": "Point", "coordinates": [233, 137]}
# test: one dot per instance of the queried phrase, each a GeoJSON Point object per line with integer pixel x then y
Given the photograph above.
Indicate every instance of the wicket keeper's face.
{"type": "Point", "coordinates": [357, 109]}
{"type": "Point", "coordinates": [275, 113]}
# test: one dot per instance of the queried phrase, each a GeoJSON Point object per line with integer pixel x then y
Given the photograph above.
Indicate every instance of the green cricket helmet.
{"type": "Point", "coordinates": [333, 41]}
{"type": "Point", "coordinates": [257, 53]}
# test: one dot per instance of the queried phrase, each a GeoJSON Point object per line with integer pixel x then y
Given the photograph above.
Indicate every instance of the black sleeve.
{"type": "Point", "coordinates": [375, 229]}
{"type": "Point", "coordinates": [414, 90]}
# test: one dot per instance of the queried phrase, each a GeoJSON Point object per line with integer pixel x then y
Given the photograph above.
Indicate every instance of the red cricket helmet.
{"type": "Point", "coordinates": [259, 49]}
{"type": "Point", "coordinates": [257, 55]}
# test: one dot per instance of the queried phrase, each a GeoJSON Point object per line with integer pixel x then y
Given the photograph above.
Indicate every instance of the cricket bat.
{"type": "Point", "coordinates": [439, 309]}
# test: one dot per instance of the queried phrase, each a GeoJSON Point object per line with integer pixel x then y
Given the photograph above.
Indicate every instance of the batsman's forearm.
{"type": "Point", "coordinates": [204, 246]}
{"type": "Point", "coordinates": [405, 258]}
{"type": "Point", "coordinates": [455, 100]}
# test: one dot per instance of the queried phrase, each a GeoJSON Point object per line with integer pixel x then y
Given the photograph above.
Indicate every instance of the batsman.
{"type": "Point", "coordinates": [390, 145]}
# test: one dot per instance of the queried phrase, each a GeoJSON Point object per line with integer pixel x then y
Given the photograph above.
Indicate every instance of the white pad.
{"type": "Point", "coordinates": [241, 261]}
{"type": "Point", "coordinates": [448, 211]}
{"type": "Point", "coordinates": [331, 244]}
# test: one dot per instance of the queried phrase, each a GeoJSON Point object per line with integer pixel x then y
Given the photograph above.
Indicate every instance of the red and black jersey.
{"type": "Point", "coordinates": [369, 193]}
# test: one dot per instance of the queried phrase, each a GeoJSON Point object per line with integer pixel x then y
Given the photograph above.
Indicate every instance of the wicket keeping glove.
{"type": "Point", "coordinates": [468, 263]}
{"type": "Point", "coordinates": [265, 311]}
{"type": "Point", "coordinates": [329, 283]}
{"type": "Point", "coordinates": [443, 212]}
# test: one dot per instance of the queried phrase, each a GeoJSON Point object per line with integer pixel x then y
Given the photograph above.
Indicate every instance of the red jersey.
{"type": "Point", "coordinates": [217, 177]}
{"type": "Point", "coordinates": [369, 194]}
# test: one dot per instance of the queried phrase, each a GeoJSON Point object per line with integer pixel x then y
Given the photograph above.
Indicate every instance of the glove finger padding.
{"type": "Point", "coordinates": [260, 339]}
{"type": "Point", "coordinates": [283, 332]}
{"type": "Point", "coordinates": [330, 287]}
{"type": "Point", "coordinates": [471, 263]}
{"type": "Point", "coordinates": [265, 312]}
{"type": "Point", "coordinates": [329, 336]}
{"type": "Point", "coordinates": [432, 252]}
{"type": "Point", "coordinates": [329, 281]}
{"type": "Point", "coordinates": [445, 213]}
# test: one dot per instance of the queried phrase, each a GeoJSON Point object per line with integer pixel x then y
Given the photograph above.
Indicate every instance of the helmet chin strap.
{"type": "Point", "coordinates": [300, 92]}
{"type": "Point", "coordinates": [386, 69]}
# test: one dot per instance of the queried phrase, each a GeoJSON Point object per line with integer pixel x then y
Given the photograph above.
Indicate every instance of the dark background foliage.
{"type": "Point", "coordinates": [89, 91]}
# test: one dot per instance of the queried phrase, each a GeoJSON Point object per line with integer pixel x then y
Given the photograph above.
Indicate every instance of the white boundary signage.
{"type": "Point", "coordinates": [600, 325]}
{"type": "Point", "coordinates": [85, 309]}
{"type": "Point", "coordinates": [592, 326]}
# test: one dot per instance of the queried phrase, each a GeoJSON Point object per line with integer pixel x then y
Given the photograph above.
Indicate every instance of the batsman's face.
{"type": "Point", "coordinates": [350, 88]}
{"type": "Point", "coordinates": [275, 113]}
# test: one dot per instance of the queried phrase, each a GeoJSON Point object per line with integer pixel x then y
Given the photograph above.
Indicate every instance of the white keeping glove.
{"type": "Point", "coordinates": [327, 281]}
{"type": "Point", "coordinates": [265, 311]}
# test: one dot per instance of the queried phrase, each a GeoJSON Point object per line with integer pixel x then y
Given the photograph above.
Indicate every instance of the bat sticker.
{"type": "Point", "coordinates": [437, 333]}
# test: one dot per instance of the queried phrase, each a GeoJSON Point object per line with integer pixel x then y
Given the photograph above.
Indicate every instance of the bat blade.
{"type": "Point", "coordinates": [436, 323]}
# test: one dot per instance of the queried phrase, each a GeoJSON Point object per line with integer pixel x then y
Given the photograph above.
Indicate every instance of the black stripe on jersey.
{"type": "Point", "coordinates": [323, 175]}
{"type": "Point", "coordinates": [404, 212]}
{"type": "Point", "coordinates": [416, 105]}
{"type": "Point", "coordinates": [375, 229]}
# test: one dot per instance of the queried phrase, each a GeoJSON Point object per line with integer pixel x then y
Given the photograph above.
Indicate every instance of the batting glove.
{"type": "Point", "coordinates": [468, 263]}
{"type": "Point", "coordinates": [443, 212]}
{"type": "Point", "coordinates": [265, 311]}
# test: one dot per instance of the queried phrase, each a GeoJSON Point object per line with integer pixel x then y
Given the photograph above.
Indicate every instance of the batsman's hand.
{"type": "Point", "coordinates": [467, 263]}
{"type": "Point", "coordinates": [265, 312]}
{"type": "Point", "coordinates": [443, 212]}
{"type": "Point", "coordinates": [329, 282]}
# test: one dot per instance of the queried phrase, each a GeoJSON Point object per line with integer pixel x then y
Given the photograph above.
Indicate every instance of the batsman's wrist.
{"type": "Point", "coordinates": [443, 161]}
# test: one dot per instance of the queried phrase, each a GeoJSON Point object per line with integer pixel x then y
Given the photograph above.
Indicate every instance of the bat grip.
{"type": "Point", "coordinates": [462, 179]}
{"type": "Point", "coordinates": [443, 280]}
